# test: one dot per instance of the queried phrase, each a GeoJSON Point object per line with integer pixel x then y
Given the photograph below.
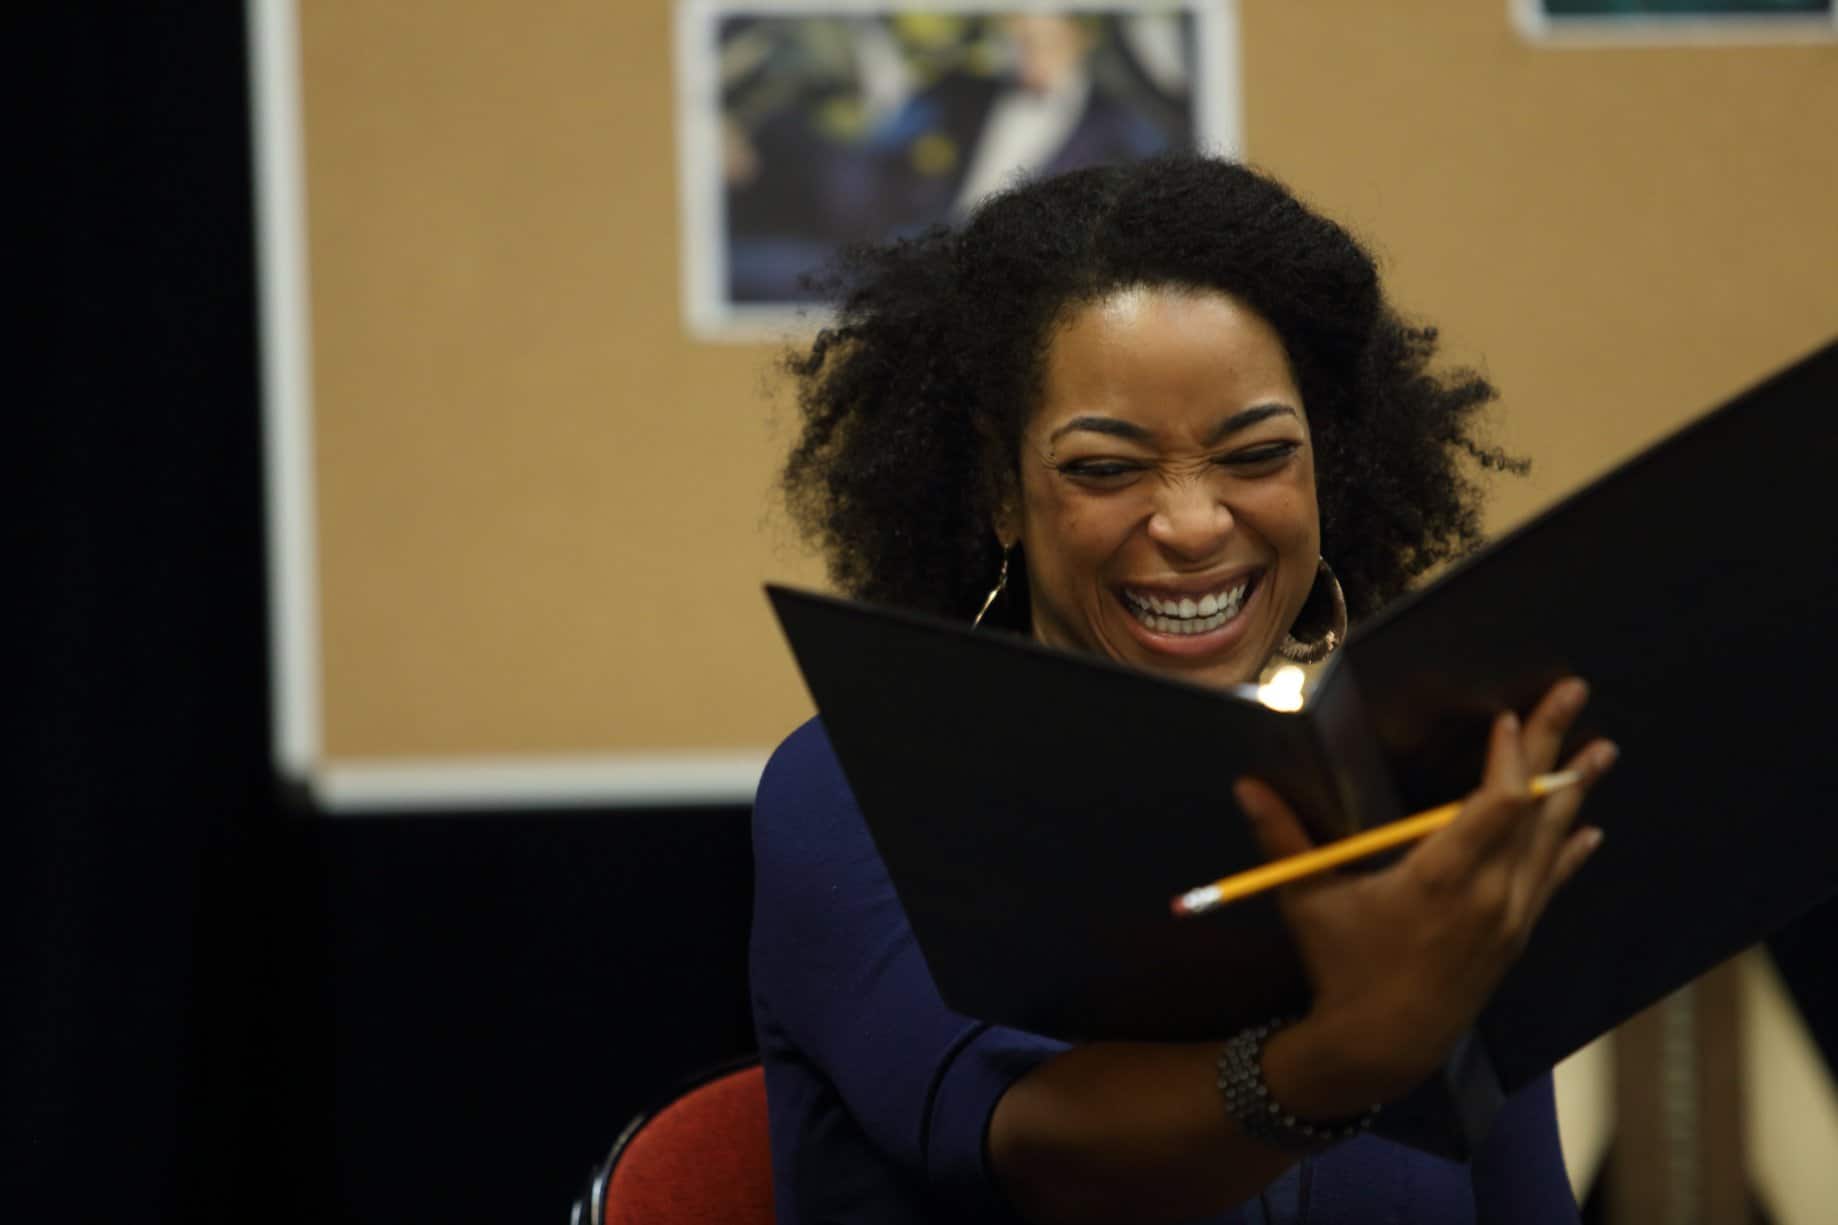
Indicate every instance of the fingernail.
{"type": "Point", "coordinates": [1605, 755]}
{"type": "Point", "coordinates": [1576, 692]}
{"type": "Point", "coordinates": [1510, 721]}
{"type": "Point", "coordinates": [1594, 835]}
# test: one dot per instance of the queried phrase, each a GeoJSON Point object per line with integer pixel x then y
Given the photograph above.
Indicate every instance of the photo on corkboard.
{"type": "Point", "coordinates": [806, 126]}
{"type": "Point", "coordinates": [1698, 21]}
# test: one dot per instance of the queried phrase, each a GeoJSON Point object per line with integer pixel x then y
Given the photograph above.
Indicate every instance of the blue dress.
{"type": "Point", "coordinates": [880, 1096]}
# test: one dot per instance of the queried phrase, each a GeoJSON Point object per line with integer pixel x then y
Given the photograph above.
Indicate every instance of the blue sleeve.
{"type": "Point", "coordinates": [839, 981]}
{"type": "Point", "coordinates": [1519, 1176]}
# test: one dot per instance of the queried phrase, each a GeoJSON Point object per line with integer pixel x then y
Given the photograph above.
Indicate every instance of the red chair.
{"type": "Point", "coordinates": [700, 1158]}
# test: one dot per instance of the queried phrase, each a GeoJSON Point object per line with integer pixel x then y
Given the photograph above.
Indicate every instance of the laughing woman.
{"type": "Point", "coordinates": [1165, 411]}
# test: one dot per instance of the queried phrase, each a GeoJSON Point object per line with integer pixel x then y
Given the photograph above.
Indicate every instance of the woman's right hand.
{"type": "Point", "coordinates": [1402, 960]}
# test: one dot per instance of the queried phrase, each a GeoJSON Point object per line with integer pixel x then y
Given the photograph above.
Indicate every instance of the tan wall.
{"type": "Point", "coordinates": [544, 512]}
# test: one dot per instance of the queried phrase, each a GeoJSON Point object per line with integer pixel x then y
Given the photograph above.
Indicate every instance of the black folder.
{"type": "Point", "coordinates": [1037, 809]}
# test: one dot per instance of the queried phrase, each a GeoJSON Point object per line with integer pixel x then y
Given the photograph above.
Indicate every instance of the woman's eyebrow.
{"type": "Point", "coordinates": [1102, 425]}
{"type": "Point", "coordinates": [1244, 418]}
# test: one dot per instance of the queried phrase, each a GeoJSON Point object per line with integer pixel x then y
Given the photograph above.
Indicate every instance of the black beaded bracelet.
{"type": "Point", "coordinates": [1248, 1100]}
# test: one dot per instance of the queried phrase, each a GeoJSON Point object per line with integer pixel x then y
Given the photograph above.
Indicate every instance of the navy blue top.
{"type": "Point", "coordinates": [880, 1096]}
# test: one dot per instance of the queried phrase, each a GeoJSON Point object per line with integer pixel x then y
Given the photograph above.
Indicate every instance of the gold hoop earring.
{"type": "Point", "coordinates": [997, 590]}
{"type": "Point", "coordinates": [1323, 630]}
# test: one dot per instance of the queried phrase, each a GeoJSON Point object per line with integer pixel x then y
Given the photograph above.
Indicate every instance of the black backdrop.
{"type": "Point", "coordinates": [217, 1004]}
{"type": "Point", "coordinates": [133, 848]}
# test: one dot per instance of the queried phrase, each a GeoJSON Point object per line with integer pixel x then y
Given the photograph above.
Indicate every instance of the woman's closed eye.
{"type": "Point", "coordinates": [1101, 471]}
{"type": "Point", "coordinates": [1264, 456]}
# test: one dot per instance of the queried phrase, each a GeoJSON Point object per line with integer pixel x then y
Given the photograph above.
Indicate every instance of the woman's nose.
{"type": "Point", "coordinates": [1190, 520]}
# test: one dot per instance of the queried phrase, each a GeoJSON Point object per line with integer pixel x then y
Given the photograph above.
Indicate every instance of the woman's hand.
{"type": "Point", "coordinates": [1402, 960]}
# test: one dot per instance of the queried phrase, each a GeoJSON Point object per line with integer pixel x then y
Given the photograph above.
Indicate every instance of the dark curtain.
{"type": "Point", "coordinates": [136, 941]}
{"type": "Point", "coordinates": [215, 1002]}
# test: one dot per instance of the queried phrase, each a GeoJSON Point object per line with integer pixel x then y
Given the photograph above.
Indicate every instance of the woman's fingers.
{"type": "Point", "coordinates": [1274, 824]}
{"type": "Point", "coordinates": [1505, 845]}
{"type": "Point", "coordinates": [1575, 851]}
{"type": "Point", "coordinates": [1501, 821]}
{"type": "Point", "coordinates": [1492, 813]}
{"type": "Point", "coordinates": [1549, 723]}
{"type": "Point", "coordinates": [1552, 835]}
{"type": "Point", "coordinates": [1508, 772]}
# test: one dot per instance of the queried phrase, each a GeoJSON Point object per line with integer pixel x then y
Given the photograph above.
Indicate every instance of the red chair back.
{"type": "Point", "coordinates": [701, 1159]}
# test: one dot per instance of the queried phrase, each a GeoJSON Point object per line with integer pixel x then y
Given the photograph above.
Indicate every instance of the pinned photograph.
{"type": "Point", "coordinates": [1677, 21]}
{"type": "Point", "coordinates": [804, 127]}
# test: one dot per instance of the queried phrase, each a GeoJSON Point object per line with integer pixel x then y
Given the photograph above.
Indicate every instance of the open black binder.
{"type": "Point", "coordinates": [1037, 810]}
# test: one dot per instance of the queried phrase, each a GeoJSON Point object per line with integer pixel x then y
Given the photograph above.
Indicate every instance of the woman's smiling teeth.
{"type": "Point", "coordinates": [1184, 614]}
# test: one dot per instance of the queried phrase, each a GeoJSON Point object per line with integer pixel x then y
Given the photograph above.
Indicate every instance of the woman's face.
{"type": "Point", "coordinates": [1167, 502]}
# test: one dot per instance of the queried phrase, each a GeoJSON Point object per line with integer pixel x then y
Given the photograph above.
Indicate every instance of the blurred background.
{"type": "Point", "coordinates": [396, 667]}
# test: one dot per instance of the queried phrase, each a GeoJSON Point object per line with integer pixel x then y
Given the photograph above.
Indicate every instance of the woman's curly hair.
{"type": "Point", "coordinates": [913, 401]}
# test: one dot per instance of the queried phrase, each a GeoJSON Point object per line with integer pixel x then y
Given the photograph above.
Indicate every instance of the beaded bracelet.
{"type": "Point", "coordinates": [1248, 1100]}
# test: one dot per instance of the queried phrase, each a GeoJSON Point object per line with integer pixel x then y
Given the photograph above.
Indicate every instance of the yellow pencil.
{"type": "Point", "coordinates": [1358, 846]}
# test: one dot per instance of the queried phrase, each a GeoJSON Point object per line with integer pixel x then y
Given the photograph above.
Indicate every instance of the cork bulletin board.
{"type": "Point", "coordinates": [522, 516]}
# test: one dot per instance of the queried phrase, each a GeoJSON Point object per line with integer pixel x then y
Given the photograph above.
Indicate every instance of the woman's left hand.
{"type": "Point", "coordinates": [1402, 960]}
